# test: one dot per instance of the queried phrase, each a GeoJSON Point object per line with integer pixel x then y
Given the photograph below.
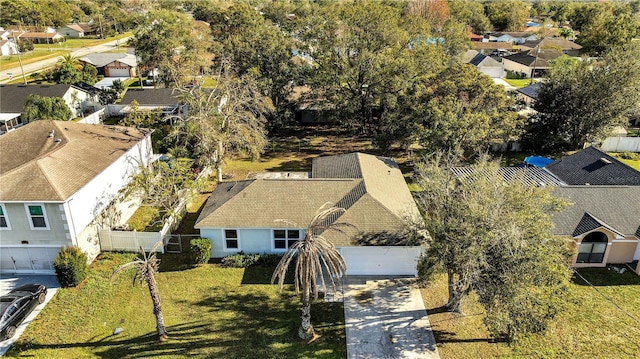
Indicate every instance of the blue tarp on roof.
{"type": "Point", "coordinates": [538, 161]}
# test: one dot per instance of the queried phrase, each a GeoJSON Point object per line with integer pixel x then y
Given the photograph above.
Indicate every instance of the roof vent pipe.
{"type": "Point", "coordinates": [51, 133]}
{"type": "Point", "coordinates": [58, 140]}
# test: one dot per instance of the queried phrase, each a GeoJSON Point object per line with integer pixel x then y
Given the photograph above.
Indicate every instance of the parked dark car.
{"type": "Point", "coordinates": [16, 305]}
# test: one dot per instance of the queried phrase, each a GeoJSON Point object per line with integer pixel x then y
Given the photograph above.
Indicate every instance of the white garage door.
{"type": "Point", "coordinates": [381, 260]}
{"type": "Point", "coordinates": [494, 72]}
{"type": "Point", "coordinates": [118, 72]}
{"type": "Point", "coordinates": [24, 259]}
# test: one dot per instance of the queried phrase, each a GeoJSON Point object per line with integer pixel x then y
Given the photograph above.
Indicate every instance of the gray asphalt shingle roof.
{"type": "Point", "coordinates": [101, 59]}
{"type": "Point", "coordinates": [593, 167]}
{"type": "Point", "coordinates": [12, 97]}
{"type": "Point", "coordinates": [370, 188]}
{"type": "Point", "coordinates": [613, 207]}
{"type": "Point", "coordinates": [151, 97]}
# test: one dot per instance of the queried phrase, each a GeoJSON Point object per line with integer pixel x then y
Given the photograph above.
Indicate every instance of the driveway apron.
{"type": "Point", "coordinates": [387, 319]}
{"type": "Point", "coordinates": [9, 282]}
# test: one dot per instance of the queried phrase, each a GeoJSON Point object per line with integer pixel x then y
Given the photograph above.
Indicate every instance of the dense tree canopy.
{"type": "Point", "coordinates": [603, 26]}
{"type": "Point", "coordinates": [584, 99]}
{"type": "Point", "coordinates": [508, 15]}
{"type": "Point", "coordinates": [228, 119]}
{"type": "Point", "coordinates": [463, 108]}
{"type": "Point", "coordinates": [167, 41]}
{"type": "Point", "coordinates": [45, 108]}
{"type": "Point", "coordinates": [494, 238]}
{"type": "Point", "coordinates": [470, 13]}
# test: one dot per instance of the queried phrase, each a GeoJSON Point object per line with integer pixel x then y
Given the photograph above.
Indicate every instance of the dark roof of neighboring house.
{"type": "Point", "coordinates": [151, 97]}
{"type": "Point", "coordinates": [530, 91]}
{"type": "Point", "coordinates": [12, 97]}
{"type": "Point", "coordinates": [87, 88]}
{"type": "Point", "coordinates": [370, 188]}
{"type": "Point", "coordinates": [481, 60]}
{"type": "Point", "coordinates": [594, 167]}
{"type": "Point", "coordinates": [539, 59]}
{"type": "Point", "coordinates": [616, 208]}
{"type": "Point", "coordinates": [41, 168]}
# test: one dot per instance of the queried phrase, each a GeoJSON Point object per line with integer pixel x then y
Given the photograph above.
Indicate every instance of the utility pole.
{"type": "Point", "coordinates": [24, 78]}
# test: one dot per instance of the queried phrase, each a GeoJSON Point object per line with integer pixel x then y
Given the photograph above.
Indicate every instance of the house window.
{"type": "Point", "coordinates": [285, 238]}
{"type": "Point", "coordinates": [37, 216]}
{"type": "Point", "coordinates": [592, 248]}
{"type": "Point", "coordinates": [231, 239]}
{"type": "Point", "coordinates": [4, 220]}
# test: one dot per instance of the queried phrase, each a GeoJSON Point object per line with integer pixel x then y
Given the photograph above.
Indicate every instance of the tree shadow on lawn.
{"type": "Point", "coordinates": [183, 339]}
{"type": "Point", "coordinates": [444, 337]}
{"type": "Point", "coordinates": [605, 277]}
{"type": "Point", "coordinates": [256, 325]}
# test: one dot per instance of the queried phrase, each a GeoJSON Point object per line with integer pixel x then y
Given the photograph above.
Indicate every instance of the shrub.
{"type": "Point", "coordinates": [630, 155]}
{"type": "Point", "coordinates": [240, 260]}
{"type": "Point", "coordinates": [70, 266]}
{"type": "Point", "coordinates": [269, 259]}
{"type": "Point", "coordinates": [200, 250]}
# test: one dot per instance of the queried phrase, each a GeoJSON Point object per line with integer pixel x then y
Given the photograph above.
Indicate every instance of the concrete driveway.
{"type": "Point", "coordinates": [386, 319]}
{"type": "Point", "coordinates": [8, 282]}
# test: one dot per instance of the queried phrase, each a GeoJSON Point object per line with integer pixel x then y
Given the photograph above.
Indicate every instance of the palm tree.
{"type": "Point", "coordinates": [314, 254]}
{"type": "Point", "coordinates": [69, 59]}
{"type": "Point", "coordinates": [146, 269]}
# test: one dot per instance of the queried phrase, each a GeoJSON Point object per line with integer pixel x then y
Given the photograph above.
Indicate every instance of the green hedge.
{"type": "Point", "coordinates": [70, 266]}
{"type": "Point", "coordinates": [200, 250]}
{"type": "Point", "coordinates": [242, 260]}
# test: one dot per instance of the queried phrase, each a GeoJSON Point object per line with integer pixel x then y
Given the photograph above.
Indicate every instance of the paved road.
{"type": "Point", "coordinates": [387, 319]}
{"type": "Point", "coordinates": [44, 64]}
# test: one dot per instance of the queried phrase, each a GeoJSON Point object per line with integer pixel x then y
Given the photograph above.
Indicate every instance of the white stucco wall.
{"type": "Point", "coordinates": [78, 100]}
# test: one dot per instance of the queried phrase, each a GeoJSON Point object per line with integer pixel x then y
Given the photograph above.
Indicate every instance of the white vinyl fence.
{"type": "Point", "coordinates": [621, 144]}
{"type": "Point", "coordinates": [116, 240]}
{"type": "Point", "coordinates": [130, 241]}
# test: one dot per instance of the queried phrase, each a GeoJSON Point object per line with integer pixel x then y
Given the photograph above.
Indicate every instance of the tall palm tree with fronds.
{"type": "Point", "coordinates": [314, 254]}
{"type": "Point", "coordinates": [71, 60]}
{"type": "Point", "coordinates": [146, 268]}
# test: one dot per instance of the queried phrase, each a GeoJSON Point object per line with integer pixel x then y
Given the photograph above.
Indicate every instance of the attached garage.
{"type": "Point", "coordinates": [118, 72]}
{"type": "Point", "coordinates": [389, 261]}
{"type": "Point", "coordinates": [28, 259]}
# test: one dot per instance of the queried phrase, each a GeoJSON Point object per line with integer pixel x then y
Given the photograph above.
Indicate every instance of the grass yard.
{"type": "Point", "coordinates": [519, 82]}
{"type": "Point", "coordinates": [78, 43]}
{"type": "Point", "coordinates": [294, 151]}
{"type": "Point", "coordinates": [632, 160]}
{"type": "Point", "coordinates": [590, 327]}
{"type": "Point", "coordinates": [210, 312]}
{"type": "Point", "coordinates": [7, 62]}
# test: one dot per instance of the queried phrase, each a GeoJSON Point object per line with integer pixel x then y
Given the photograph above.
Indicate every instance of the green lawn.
{"type": "Point", "coordinates": [635, 163]}
{"type": "Point", "coordinates": [210, 312]}
{"type": "Point", "coordinates": [78, 43]}
{"type": "Point", "coordinates": [7, 62]}
{"type": "Point", "coordinates": [519, 82]}
{"type": "Point", "coordinates": [589, 327]}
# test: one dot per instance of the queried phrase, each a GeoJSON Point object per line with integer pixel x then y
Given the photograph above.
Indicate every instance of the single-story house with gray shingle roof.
{"type": "Point", "coordinates": [487, 65]}
{"type": "Point", "coordinates": [80, 98]}
{"type": "Point", "coordinates": [163, 99]}
{"type": "Point", "coordinates": [603, 222]}
{"type": "Point", "coordinates": [73, 31]}
{"type": "Point", "coordinates": [243, 215]}
{"type": "Point", "coordinates": [57, 178]}
{"type": "Point", "coordinates": [113, 64]}
{"type": "Point", "coordinates": [591, 166]}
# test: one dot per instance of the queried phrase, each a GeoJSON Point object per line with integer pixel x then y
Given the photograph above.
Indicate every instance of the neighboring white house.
{"type": "Point", "coordinates": [243, 215]}
{"type": "Point", "coordinates": [57, 178]}
{"type": "Point", "coordinates": [80, 98]}
{"type": "Point", "coordinates": [73, 31]}
{"type": "Point", "coordinates": [8, 47]}
{"type": "Point", "coordinates": [484, 64]}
